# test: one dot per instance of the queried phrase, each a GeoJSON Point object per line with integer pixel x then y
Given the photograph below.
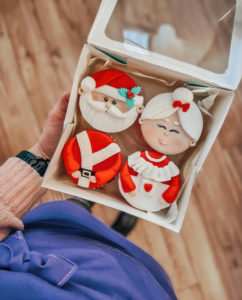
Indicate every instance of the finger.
{"type": "Point", "coordinates": [59, 110]}
{"type": "Point", "coordinates": [93, 179]}
{"type": "Point", "coordinates": [62, 104]}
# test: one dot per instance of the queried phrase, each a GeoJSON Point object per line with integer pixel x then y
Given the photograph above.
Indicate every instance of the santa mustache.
{"type": "Point", "coordinates": [112, 111]}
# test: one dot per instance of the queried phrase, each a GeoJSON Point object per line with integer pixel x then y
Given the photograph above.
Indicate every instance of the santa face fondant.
{"type": "Point", "coordinates": [110, 100]}
{"type": "Point", "coordinates": [170, 124]}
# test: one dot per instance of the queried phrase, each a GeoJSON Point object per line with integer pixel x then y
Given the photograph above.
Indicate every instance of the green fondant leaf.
{"type": "Point", "coordinates": [136, 90]}
{"type": "Point", "coordinates": [123, 92]}
{"type": "Point", "coordinates": [130, 102]}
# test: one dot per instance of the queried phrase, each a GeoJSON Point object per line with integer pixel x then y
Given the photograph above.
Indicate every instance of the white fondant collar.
{"type": "Point", "coordinates": [154, 159]}
{"type": "Point", "coordinates": [149, 171]}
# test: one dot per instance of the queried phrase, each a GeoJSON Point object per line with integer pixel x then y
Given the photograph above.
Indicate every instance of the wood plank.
{"type": "Point", "coordinates": [220, 207]}
{"type": "Point", "coordinates": [37, 72]}
{"type": "Point", "coordinates": [191, 293]}
{"type": "Point", "coordinates": [201, 254]}
{"type": "Point", "coordinates": [181, 261]}
{"type": "Point", "coordinates": [13, 112]}
{"type": "Point", "coordinates": [61, 54]}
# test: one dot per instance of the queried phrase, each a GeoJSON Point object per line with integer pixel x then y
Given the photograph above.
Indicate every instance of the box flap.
{"type": "Point", "coordinates": [199, 39]}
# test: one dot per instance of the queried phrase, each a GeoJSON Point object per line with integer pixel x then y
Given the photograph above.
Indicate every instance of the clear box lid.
{"type": "Point", "coordinates": [199, 38]}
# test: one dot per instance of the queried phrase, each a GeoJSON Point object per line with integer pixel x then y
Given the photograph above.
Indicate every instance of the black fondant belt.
{"type": "Point", "coordinates": [86, 173]}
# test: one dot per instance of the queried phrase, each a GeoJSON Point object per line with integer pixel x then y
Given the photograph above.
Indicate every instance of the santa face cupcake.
{"type": "Point", "coordinates": [170, 124]}
{"type": "Point", "coordinates": [110, 100]}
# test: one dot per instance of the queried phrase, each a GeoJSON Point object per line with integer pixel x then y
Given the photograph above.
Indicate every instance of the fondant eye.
{"type": "Point", "coordinates": [161, 126]}
{"type": "Point", "coordinates": [114, 102]}
{"type": "Point", "coordinates": [106, 99]}
{"type": "Point", "coordinates": [174, 130]}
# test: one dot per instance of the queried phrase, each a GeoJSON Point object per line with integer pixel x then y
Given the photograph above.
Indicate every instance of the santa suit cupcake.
{"type": "Point", "coordinates": [170, 124]}
{"type": "Point", "coordinates": [92, 159]}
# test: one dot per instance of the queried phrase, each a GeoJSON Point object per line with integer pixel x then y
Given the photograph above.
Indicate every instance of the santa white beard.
{"type": "Point", "coordinates": [111, 120]}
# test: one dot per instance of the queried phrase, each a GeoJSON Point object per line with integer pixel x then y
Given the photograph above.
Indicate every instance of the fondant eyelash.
{"type": "Point", "coordinates": [161, 126]}
{"type": "Point", "coordinates": [174, 130]}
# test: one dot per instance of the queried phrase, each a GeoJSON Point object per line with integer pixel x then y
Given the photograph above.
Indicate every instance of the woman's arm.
{"type": "Point", "coordinates": [19, 191]}
{"type": "Point", "coordinates": [19, 183]}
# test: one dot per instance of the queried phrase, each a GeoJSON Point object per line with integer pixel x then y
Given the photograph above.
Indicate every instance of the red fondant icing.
{"type": "Point", "coordinates": [114, 78]}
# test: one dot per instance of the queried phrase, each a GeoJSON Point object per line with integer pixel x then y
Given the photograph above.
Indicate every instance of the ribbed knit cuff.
{"type": "Point", "coordinates": [19, 191]}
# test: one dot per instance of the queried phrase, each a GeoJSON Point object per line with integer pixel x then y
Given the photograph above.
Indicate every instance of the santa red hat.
{"type": "Point", "coordinates": [93, 153]}
{"type": "Point", "coordinates": [115, 84]}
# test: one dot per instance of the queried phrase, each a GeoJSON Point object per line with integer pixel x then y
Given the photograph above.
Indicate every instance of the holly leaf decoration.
{"type": "Point", "coordinates": [130, 102]}
{"type": "Point", "coordinates": [136, 90]}
{"type": "Point", "coordinates": [123, 92]}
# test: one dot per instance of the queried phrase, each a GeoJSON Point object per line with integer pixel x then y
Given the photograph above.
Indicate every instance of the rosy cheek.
{"type": "Point", "coordinates": [179, 143]}
{"type": "Point", "coordinates": [94, 97]}
{"type": "Point", "coordinates": [148, 131]}
{"type": "Point", "coordinates": [121, 107]}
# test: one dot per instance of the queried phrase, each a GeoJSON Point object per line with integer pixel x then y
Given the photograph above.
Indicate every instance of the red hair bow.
{"type": "Point", "coordinates": [184, 107]}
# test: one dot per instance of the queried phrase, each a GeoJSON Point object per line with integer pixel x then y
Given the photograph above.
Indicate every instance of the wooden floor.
{"type": "Point", "coordinates": [40, 43]}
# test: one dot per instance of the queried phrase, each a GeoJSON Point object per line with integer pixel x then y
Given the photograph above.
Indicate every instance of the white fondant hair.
{"type": "Point", "coordinates": [161, 106]}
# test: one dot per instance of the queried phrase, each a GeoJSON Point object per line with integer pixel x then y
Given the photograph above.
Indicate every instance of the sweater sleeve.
{"type": "Point", "coordinates": [19, 191]}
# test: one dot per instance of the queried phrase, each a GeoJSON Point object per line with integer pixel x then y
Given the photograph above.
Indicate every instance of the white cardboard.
{"type": "Point", "coordinates": [222, 113]}
{"type": "Point", "coordinates": [108, 200]}
{"type": "Point", "coordinates": [229, 80]}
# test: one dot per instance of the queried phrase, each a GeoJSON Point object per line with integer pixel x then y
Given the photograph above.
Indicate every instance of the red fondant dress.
{"type": "Point", "coordinates": [153, 176]}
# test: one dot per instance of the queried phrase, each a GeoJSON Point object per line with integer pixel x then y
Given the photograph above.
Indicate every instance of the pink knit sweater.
{"type": "Point", "coordinates": [19, 191]}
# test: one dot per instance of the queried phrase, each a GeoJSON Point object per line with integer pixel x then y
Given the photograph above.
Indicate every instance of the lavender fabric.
{"type": "Point", "coordinates": [66, 253]}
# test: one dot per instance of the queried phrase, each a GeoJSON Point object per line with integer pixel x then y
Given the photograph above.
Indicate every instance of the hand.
{"type": "Point", "coordinates": [93, 179]}
{"type": "Point", "coordinates": [133, 193]}
{"type": "Point", "coordinates": [52, 130]}
{"type": "Point", "coordinates": [76, 174]}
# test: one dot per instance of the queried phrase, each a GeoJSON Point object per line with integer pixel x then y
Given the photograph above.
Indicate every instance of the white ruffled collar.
{"type": "Point", "coordinates": [149, 171]}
